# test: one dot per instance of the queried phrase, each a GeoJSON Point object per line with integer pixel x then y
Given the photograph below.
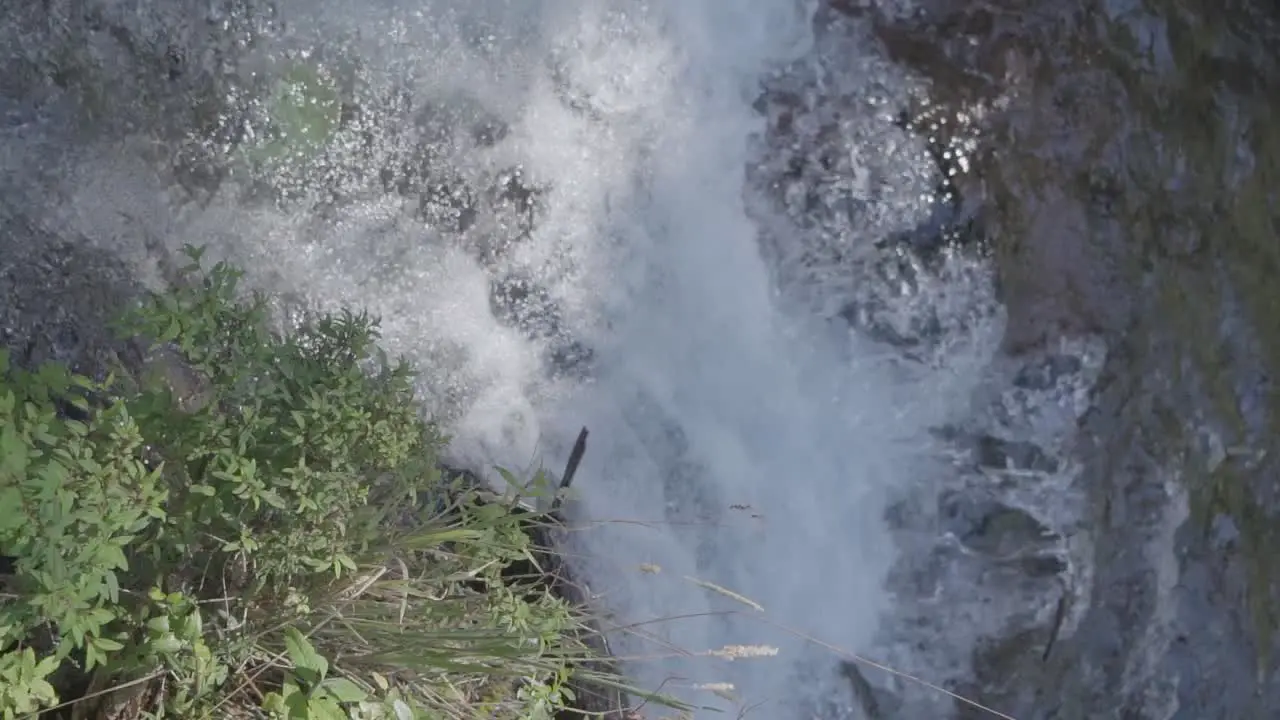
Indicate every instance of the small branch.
{"type": "Point", "coordinates": [570, 469]}
{"type": "Point", "coordinates": [1059, 615]}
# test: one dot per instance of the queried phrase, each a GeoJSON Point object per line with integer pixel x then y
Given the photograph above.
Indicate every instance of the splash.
{"type": "Point", "coordinates": [544, 201]}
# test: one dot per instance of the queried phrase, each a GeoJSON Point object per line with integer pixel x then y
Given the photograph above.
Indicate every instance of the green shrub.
{"type": "Point", "coordinates": [254, 524]}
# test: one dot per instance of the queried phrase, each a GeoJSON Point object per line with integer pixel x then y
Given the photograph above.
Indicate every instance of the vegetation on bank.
{"type": "Point", "coordinates": [255, 524]}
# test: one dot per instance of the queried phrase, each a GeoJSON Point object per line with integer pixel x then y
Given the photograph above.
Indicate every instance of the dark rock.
{"type": "Point", "coordinates": [997, 453]}
{"type": "Point", "coordinates": [1132, 195]}
{"type": "Point", "coordinates": [994, 452]}
{"type": "Point", "coordinates": [489, 131]}
{"type": "Point", "coordinates": [521, 303]}
{"type": "Point", "coordinates": [59, 301]}
{"type": "Point", "coordinates": [999, 664]}
{"type": "Point", "coordinates": [449, 205]}
{"type": "Point", "coordinates": [876, 703]}
{"type": "Point", "coordinates": [571, 358]}
{"type": "Point", "coordinates": [1042, 566]}
{"type": "Point", "coordinates": [1044, 373]}
{"type": "Point", "coordinates": [1225, 533]}
{"type": "Point", "coordinates": [990, 527]}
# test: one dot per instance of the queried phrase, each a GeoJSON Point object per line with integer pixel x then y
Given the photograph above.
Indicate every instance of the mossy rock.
{"type": "Point", "coordinates": [303, 111]}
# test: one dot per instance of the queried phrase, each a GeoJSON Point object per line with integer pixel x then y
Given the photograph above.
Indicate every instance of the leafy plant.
{"type": "Point", "coordinates": [73, 496]}
{"type": "Point", "coordinates": [24, 683]}
{"type": "Point", "coordinates": [308, 691]}
{"type": "Point", "coordinates": [256, 520]}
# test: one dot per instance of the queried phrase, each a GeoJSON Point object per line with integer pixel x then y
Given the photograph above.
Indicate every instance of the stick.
{"type": "Point", "coordinates": [570, 469]}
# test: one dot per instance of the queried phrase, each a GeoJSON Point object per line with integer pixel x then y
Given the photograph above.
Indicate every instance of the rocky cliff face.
{"type": "Point", "coordinates": [1129, 188]}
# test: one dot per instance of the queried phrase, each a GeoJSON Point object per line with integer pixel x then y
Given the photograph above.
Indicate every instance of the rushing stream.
{"type": "Point", "coordinates": [908, 322]}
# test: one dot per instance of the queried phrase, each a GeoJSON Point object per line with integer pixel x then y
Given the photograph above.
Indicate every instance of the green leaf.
{"type": "Point", "coordinates": [324, 708]}
{"type": "Point", "coordinates": [92, 657]}
{"type": "Point", "coordinates": [172, 330]}
{"type": "Point", "coordinates": [11, 516]}
{"type": "Point", "coordinates": [298, 705]}
{"type": "Point", "coordinates": [47, 666]}
{"type": "Point", "coordinates": [111, 584]}
{"type": "Point", "coordinates": [99, 617]}
{"type": "Point", "coordinates": [111, 557]}
{"type": "Point", "coordinates": [166, 644]}
{"type": "Point", "coordinates": [43, 691]}
{"type": "Point", "coordinates": [13, 452]}
{"type": "Point", "coordinates": [508, 477]}
{"type": "Point", "coordinates": [302, 653]}
{"type": "Point", "coordinates": [274, 500]}
{"type": "Point", "coordinates": [344, 690]}
{"type": "Point", "coordinates": [192, 626]}
{"type": "Point", "coordinates": [274, 703]}
{"type": "Point", "coordinates": [107, 644]}
{"type": "Point", "coordinates": [195, 253]}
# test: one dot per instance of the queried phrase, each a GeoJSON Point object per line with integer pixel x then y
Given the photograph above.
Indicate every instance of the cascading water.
{"type": "Point", "coordinates": [548, 204]}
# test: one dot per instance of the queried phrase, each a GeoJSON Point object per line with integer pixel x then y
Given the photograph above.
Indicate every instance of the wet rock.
{"type": "Point", "coordinates": [956, 219]}
{"type": "Point", "coordinates": [570, 359]}
{"type": "Point", "coordinates": [872, 316]}
{"type": "Point", "coordinates": [58, 301]}
{"type": "Point", "coordinates": [1064, 282]}
{"type": "Point", "coordinates": [1043, 374]}
{"type": "Point", "coordinates": [996, 453]}
{"type": "Point", "coordinates": [1042, 566]}
{"type": "Point", "coordinates": [1001, 667]}
{"type": "Point", "coordinates": [859, 192]}
{"type": "Point", "coordinates": [1059, 275]}
{"type": "Point", "coordinates": [1225, 533]}
{"type": "Point", "coordinates": [456, 119]}
{"type": "Point", "coordinates": [902, 513]}
{"type": "Point", "coordinates": [489, 131]}
{"type": "Point", "coordinates": [1129, 199]}
{"type": "Point", "coordinates": [489, 214]}
{"type": "Point", "coordinates": [1000, 454]}
{"type": "Point", "coordinates": [988, 526]}
{"type": "Point", "coordinates": [450, 206]}
{"type": "Point", "coordinates": [520, 302]}
{"type": "Point", "coordinates": [876, 703]}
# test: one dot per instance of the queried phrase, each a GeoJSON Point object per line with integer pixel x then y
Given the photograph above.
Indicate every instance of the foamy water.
{"type": "Point", "coordinates": [739, 435]}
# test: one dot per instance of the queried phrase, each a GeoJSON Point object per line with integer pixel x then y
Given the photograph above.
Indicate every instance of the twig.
{"type": "Point", "coordinates": [99, 693]}
{"type": "Point", "coordinates": [1059, 615]}
{"type": "Point", "coordinates": [570, 469]}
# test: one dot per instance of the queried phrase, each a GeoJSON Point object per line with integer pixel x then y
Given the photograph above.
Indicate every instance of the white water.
{"type": "Point", "coordinates": [713, 386]}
